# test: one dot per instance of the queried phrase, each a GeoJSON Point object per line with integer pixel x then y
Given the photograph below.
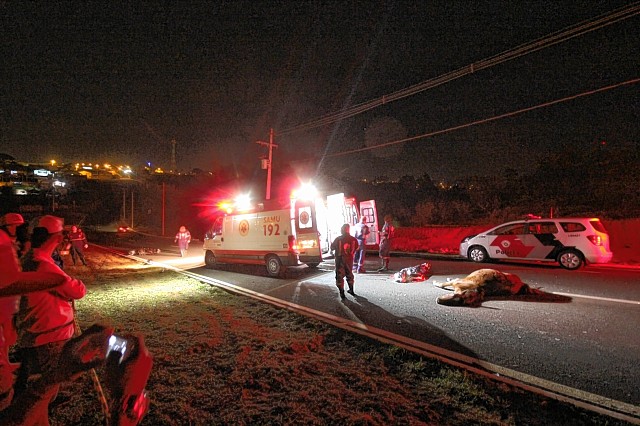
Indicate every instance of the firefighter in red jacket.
{"type": "Point", "coordinates": [45, 319]}
{"type": "Point", "coordinates": [13, 283]}
{"type": "Point", "coordinates": [344, 248]}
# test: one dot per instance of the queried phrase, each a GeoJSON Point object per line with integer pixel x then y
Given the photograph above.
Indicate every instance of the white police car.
{"type": "Point", "coordinates": [571, 242]}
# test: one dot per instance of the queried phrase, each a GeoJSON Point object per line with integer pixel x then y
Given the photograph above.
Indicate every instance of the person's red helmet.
{"type": "Point", "coordinates": [11, 219]}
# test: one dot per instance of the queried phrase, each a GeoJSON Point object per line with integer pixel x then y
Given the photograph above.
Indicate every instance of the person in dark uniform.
{"type": "Point", "coordinates": [344, 248]}
{"type": "Point", "coordinates": [361, 234]}
{"type": "Point", "coordinates": [78, 243]}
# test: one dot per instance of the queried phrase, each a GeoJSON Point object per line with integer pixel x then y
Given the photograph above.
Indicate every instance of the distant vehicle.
{"type": "Point", "coordinates": [571, 242]}
{"type": "Point", "coordinates": [18, 190]}
{"type": "Point", "coordinates": [124, 231]}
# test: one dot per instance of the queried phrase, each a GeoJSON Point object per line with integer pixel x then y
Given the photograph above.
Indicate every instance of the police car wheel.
{"type": "Point", "coordinates": [210, 259]}
{"type": "Point", "coordinates": [478, 254]}
{"type": "Point", "coordinates": [570, 259]}
{"type": "Point", "coordinates": [274, 265]}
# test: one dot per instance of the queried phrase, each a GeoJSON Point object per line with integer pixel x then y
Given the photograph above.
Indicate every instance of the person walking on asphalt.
{"type": "Point", "coordinates": [78, 243]}
{"type": "Point", "coordinates": [344, 248]}
{"type": "Point", "coordinates": [183, 238]}
{"type": "Point", "coordinates": [385, 243]}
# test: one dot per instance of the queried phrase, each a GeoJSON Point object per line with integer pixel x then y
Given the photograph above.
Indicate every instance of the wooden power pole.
{"type": "Point", "coordinates": [266, 162]}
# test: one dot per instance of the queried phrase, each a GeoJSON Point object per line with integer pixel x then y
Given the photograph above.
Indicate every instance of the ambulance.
{"type": "Point", "coordinates": [284, 234]}
{"type": "Point", "coordinates": [276, 234]}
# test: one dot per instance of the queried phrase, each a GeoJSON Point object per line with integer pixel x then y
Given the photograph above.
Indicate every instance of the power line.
{"type": "Point", "coordinates": [539, 44]}
{"type": "Point", "coordinates": [484, 120]}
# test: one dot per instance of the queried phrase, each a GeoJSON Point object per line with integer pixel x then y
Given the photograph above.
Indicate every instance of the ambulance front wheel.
{"type": "Point", "coordinates": [274, 266]}
{"type": "Point", "coordinates": [209, 259]}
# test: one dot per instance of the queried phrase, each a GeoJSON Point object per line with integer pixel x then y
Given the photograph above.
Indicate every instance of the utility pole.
{"type": "Point", "coordinates": [131, 208]}
{"type": "Point", "coordinates": [123, 217]}
{"type": "Point", "coordinates": [266, 162]}
{"type": "Point", "coordinates": [174, 164]}
{"type": "Point", "coordinates": [164, 191]}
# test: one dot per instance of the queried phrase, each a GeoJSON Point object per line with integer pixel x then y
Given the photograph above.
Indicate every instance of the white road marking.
{"type": "Point", "coordinates": [605, 299]}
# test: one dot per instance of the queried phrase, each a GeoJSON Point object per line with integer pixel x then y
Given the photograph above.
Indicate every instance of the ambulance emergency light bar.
{"type": "Point", "coordinates": [307, 191]}
{"type": "Point", "coordinates": [242, 203]}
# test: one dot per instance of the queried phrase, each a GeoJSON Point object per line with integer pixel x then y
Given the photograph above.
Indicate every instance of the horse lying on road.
{"type": "Point", "coordinates": [472, 289]}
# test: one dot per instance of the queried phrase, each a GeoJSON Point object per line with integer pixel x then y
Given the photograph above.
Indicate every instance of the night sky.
{"type": "Point", "coordinates": [116, 82]}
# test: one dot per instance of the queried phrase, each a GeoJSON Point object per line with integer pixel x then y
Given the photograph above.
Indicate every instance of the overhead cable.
{"type": "Point", "coordinates": [482, 121]}
{"type": "Point", "coordinates": [539, 44]}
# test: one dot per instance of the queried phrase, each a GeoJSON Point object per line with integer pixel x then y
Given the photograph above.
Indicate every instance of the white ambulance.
{"type": "Point", "coordinates": [275, 234]}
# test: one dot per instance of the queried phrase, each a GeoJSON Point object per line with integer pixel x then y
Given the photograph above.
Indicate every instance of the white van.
{"type": "Point", "coordinates": [569, 241]}
{"type": "Point", "coordinates": [267, 236]}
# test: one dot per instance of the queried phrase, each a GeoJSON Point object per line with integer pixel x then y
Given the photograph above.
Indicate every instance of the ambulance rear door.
{"type": "Point", "coordinates": [336, 216]}
{"type": "Point", "coordinates": [306, 231]}
{"type": "Point", "coordinates": [368, 210]}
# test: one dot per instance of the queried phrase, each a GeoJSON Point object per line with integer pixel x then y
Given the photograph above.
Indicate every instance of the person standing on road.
{"type": "Point", "coordinates": [78, 243]}
{"type": "Point", "coordinates": [183, 238]}
{"type": "Point", "coordinates": [361, 234]}
{"type": "Point", "coordinates": [386, 235]}
{"type": "Point", "coordinates": [344, 248]}
{"type": "Point", "coordinates": [45, 319]}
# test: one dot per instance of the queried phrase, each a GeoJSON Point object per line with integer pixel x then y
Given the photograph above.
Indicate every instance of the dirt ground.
{"type": "Point", "coordinates": [221, 359]}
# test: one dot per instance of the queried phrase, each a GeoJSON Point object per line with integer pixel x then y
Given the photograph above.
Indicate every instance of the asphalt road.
{"type": "Point", "coordinates": [583, 333]}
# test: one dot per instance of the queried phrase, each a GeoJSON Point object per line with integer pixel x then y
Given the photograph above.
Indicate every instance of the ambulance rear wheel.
{"type": "Point", "coordinates": [274, 266]}
{"type": "Point", "coordinates": [210, 259]}
{"type": "Point", "coordinates": [312, 265]}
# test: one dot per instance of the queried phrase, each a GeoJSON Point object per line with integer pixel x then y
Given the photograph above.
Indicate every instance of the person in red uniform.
{"type": "Point", "coordinates": [13, 283]}
{"type": "Point", "coordinates": [386, 235]}
{"type": "Point", "coordinates": [344, 248]}
{"type": "Point", "coordinates": [183, 238]}
{"type": "Point", "coordinates": [78, 243]}
{"type": "Point", "coordinates": [127, 374]}
{"type": "Point", "coordinates": [45, 319]}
